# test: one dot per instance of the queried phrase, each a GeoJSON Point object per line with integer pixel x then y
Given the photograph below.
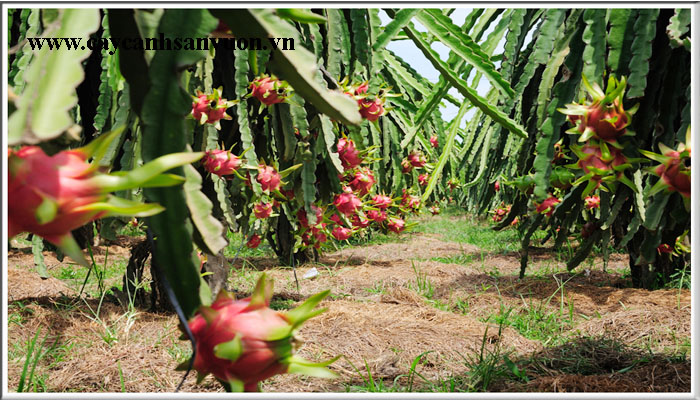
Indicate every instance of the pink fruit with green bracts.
{"type": "Point", "coordinates": [601, 163]}
{"type": "Point", "coordinates": [396, 225]}
{"type": "Point", "coordinates": [381, 201]}
{"type": "Point", "coordinates": [673, 172]}
{"type": "Point", "coordinates": [303, 219]}
{"type": "Point", "coordinates": [362, 181]}
{"type": "Point", "coordinates": [362, 89]}
{"type": "Point", "coordinates": [262, 210]}
{"type": "Point", "coordinates": [434, 209]}
{"type": "Point", "coordinates": [268, 177]}
{"type": "Point", "coordinates": [592, 202]}
{"type": "Point", "coordinates": [347, 203]}
{"type": "Point", "coordinates": [359, 222]}
{"type": "Point", "coordinates": [604, 117]}
{"type": "Point", "coordinates": [434, 141]}
{"type": "Point", "coordinates": [377, 216]}
{"type": "Point", "coordinates": [406, 166]}
{"type": "Point", "coordinates": [349, 155]}
{"type": "Point", "coordinates": [547, 206]}
{"type": "Point", "coordinates": [269, 90]}
{"type": "Point", "coordinates": [210, 108]}
{"type": "Point", "coordinates": [417, 159]}
{"type": "Point", "coordinates": [243, 342]}
{"type": "Point", "coordinates": [423, 179]}
{"type": "Point", "coordinates": [220, 162]}
{"type": "Point", "coordinates": [341, 233]}
{"type": "Point", "coordinates": [253, 242]}
{"type": "Point", "coordinates": [664, 248]}
{"type": "Point", "coordinates": [336, 219]}
{"type": "Point", "coordinates": [48, 195]}
{"type": "Point", "coordinates": [371, 110]}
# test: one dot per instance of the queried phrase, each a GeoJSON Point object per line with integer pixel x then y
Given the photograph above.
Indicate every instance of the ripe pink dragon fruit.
{"type": "Point", "coordinates": [358, 221]}
{"type": "Point", "coordinates": [381, 201]}
{"type": "Point", "coordinates": [50, 196]}
{"type": "Point", "coordinates": [417, 159]}
{"type": "Point", "coordinates": [210, 108]}
{"type": "Point", "coordinates": [592, 202]}
{"type": "Point", "coordinates": [434, 141]}
{"type": "Point", "coordinates": [603, 118]}
{"type": "Point", "coordinates": [336, 219]}
{"type": "Point", "coordinates": [220, 162]}
{"type": "Point", "coordinates": [371, 110]}
{"type": "Point", "coordinates": [500, 212]}
{"type": "Point", "coordinates": [601, 163]}
{"type": "Point", "coordinates": [302, 217]}
{"type": "Point", "coordinates": [243, 342]}
{"type": "Point", "coordinates": [396, 225]}
{"type": "Point", "coordinates": [377, 216]}
{"type": "Point", "coordinates": [406, 166]}
{"type": "Point", "coordinates": [423, 179]}
{"type": "Point", "coordinates": [254, 241]}
{"type": "Point", "coordinates": [363, 181]}
{"type": "Point", "coordinates": [547, 206]}
{"type": "Point", "coordinates": [319, 236]}
{"type": "Point", "coordinates": [497, 186]}
{"type": "Point", "coordinates": [269, 90]}
{"type": "Point", "coordinates": [269, 178]}
{"type": "Point", "coordinates": [410, 201]}
{"type": "Point", "coordinates": [341, 233]}
{"type": "Point", "coordinates": [347, 203]}
{"type": "Point", "coordinates": [673, 171]}
{"type": "Point", "coordinates": [664, 248]}
{"type": "Point", "coordinates": [362, 89]}
{"type": "Point", "coordinates": [262, 210]}
{"type": "Point", "coordinates": [349, 156]}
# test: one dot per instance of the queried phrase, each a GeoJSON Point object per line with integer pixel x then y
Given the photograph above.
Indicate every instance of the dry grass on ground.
{"type": "Point", "coordinates": [390, 303]}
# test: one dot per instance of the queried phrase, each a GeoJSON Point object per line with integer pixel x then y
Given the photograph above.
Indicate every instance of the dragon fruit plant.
{"type": "Point", "coordinates": [50, 196]}
{"type": "Point", "coordinates": [243, 342]}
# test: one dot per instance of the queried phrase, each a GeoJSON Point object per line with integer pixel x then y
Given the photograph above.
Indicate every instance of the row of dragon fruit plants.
{"type": "Point", "coordinates": [342, 136]}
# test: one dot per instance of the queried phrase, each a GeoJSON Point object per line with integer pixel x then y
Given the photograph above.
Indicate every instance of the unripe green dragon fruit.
{"type": "Point", "coordinates": [243, 342]}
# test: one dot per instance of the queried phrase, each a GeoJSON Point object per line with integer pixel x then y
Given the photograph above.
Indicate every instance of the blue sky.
{"type": "Point", "coordinates": [410, 53]}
